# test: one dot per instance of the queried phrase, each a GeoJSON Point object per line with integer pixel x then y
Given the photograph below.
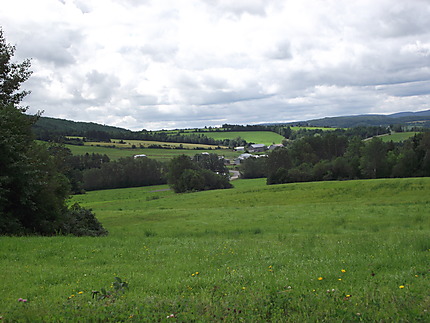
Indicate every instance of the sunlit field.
{"type": "Point", "coordinates": [154, 153]}
{"type": "Point", "coordinates": [326, 251]}
{"type": "Point", "coordinates": [258, 137]}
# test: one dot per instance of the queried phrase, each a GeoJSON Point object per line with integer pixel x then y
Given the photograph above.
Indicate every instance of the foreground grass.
{"type": "Point", "coordinates": [328, 251]}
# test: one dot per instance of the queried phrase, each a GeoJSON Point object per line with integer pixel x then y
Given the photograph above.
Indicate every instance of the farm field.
{"type": "Point", "coordinates": [296, 128]}
{"type": "Point", "coordinates": [258, 137]}
{"type": "Point", "coordinates": [145, 143]}
{"type": "Point", "coordinates": [398, 136]}
{"type": "Point", "coordinates": [154, 153]}
{"type": "Point", "coordinates": [326, 251]}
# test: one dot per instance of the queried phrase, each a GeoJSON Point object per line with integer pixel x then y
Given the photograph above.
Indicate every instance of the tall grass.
{"type": "Point", "coordinates": [326, 251]}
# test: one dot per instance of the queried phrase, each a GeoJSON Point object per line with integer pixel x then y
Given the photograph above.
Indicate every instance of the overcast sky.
{"type": "Point", "coordinates": [157, 64]}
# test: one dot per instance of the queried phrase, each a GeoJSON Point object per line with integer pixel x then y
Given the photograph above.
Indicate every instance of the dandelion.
{"type": "Point", "coordinates": [320, 278]}
{"type": "Point", "coordinates": [343, 270]}
{"type": "Point", "coordinates": [80, 293]}
{"type": "Point", "coordinates": [340, 279]}
{"type": "Point", "coordinates": [243, 287]}
{"type": "Point", "coordinates": [401, 286]}
{"type": "Point", "coordinates": [270, 267]}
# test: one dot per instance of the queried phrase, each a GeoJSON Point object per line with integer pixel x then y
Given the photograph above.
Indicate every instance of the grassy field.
{"type": "Point", "coordinates": [314, 128]}
{"type": "Point", "coordinates": [258, 137]}
{"type": "Point", "coordinates": [398, 136]}
{"type": "Point", "coordinates": [154, 153]}
{"type": "Point", "coordinates": [145, 143]}
{"type": "Point", "coordinates": [328, 251]}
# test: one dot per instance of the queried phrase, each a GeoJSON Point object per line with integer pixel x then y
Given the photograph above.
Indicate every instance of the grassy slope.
{"type": "Point", "coordinates": [158, 154]}
{"type": "Point", "coordinates": [398, 136]}
{"type": "Point", "coordinates": [258, 137]}
{"type": "Point", "coordinates": [258, 250]}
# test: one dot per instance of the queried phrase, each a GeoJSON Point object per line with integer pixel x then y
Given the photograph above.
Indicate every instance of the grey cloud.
{"type": "Point", "coordinates": [102, 86]}
{"type": "Point", "coordinates": [83, 6]}
{"type": "Point", "coordinates": [281, 51]}
{"type": "Point", "coordinates": [240, 7]}
{"type": "Point", "coordinates": [51, 44]}
{"type": "Point", "coordinates": [405, 18]}
{"type": "Point", "coordinates": [159, 52]}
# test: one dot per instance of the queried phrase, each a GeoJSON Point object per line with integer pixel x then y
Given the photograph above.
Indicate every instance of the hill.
{"type": "Point", "coordinates": [74, 128]}
{"type": "Point", "coordinates": [421, 118]}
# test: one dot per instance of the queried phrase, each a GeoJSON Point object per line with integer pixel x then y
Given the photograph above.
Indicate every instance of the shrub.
{"type": "Point", "coordinates": [82, 222]}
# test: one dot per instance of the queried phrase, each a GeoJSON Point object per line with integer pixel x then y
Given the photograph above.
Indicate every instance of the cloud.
{"type": "Point", "coordinates": [188, 63]}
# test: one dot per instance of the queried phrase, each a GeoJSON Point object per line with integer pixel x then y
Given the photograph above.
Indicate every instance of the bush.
{"type": "Point", "coordinates": [82, 222]}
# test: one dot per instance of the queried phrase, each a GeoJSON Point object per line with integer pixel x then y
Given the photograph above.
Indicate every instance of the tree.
{"type": "Point", "coordinates": [33, 191]}
{"type": "Point", "coordinates": [374, 159]}
{"type": "Point", "coordinates": [278, 164]}
{"type": "Point", "coordinates": [12, 75]}
{"type": "Point", "coordinates": [185, 175]}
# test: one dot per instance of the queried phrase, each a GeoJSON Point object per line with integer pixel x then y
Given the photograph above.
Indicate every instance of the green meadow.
{"type": "Point", "coordinates": [306, 252]}
{"type": "Point", "coordinates": [398, 136]}
{"type": "Point", "coordinates": [258, 137]}
{"type": "Point", "coordinates": [154, 153]}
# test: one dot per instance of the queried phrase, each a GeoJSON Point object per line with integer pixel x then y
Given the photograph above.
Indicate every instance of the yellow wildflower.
{"type": "Point", "coordinates": [320, 278]}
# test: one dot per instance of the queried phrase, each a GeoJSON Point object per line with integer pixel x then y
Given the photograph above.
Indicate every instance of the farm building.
{"type": "Point", "coordinates": [139, 156]}
{"type": "Point", "coordinates": [256, 148]}
{"type": "Point", "coordinates": [273, 147]}
{"type": "Point", "coordinates": [239, 148]}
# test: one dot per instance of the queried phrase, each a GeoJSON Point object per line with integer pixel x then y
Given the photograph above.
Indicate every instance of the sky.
{"type": "Point", "coordinates": [159, 64]}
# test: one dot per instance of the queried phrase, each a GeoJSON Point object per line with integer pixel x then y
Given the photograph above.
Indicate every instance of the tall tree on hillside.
{"type": "Point", "coordinates": [32, 191]}
{"type": "Point", "coordinates": [373, 162]}
{"type": "Point", "coordinates": [12, 75]}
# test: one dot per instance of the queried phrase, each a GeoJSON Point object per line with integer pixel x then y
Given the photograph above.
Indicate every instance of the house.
{"type": "Point", "coordinates": [273, 147]}
{"type": "Point", "coordinates": [256, 148]}
{"type": "Point", "coordinates": [239, 148]}
{"type": "Point", "coordinates": [241, 158]}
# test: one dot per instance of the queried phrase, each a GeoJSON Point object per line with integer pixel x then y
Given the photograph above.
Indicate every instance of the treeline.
{"type": "Point", "coordinates": [336, 157]}
{"type": "Point", "coordinates": [126, 172]}
{"type": "Point", "coordinates": [203, 172]}
{"type": "Point", "coordinates": [95, 171]}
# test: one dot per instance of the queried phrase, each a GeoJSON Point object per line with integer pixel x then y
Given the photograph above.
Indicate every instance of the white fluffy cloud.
{"type": "Point", "coordinates": [190, 63]}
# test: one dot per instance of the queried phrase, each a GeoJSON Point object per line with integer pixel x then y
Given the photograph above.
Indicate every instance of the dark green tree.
{"type": "Point", "coordinates": [373, 162]}
{"type": "Point", "coordinates": [33, 191]}
{"type": "Point", "coordinates": [185, 175]}
{"type": "Point", "coordinates": [12, 75]}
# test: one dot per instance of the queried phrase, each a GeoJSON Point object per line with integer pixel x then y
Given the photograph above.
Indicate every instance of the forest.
{"type": "Point", "coordinates": [330, 156]}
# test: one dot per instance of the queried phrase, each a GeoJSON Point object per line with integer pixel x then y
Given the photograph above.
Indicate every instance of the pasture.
{"type": "Point", "coordinates": [154, 153]}
{"type": "Point", "coordinates": [326, 251]}
{"type": "Point", "coordinates": [258, 137]}
{"type": "Point", "coordinates": [398, 136]}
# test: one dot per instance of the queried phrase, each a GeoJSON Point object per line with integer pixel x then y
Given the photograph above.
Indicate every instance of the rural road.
{"type": "Point", "coordinates": [234, 174]}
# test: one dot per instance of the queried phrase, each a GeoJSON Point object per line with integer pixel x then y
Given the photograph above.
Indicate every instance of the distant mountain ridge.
{"type": "Point", "coordinates": [78, 128]}
{"type": "Point", "coordinates": [420, 118]}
